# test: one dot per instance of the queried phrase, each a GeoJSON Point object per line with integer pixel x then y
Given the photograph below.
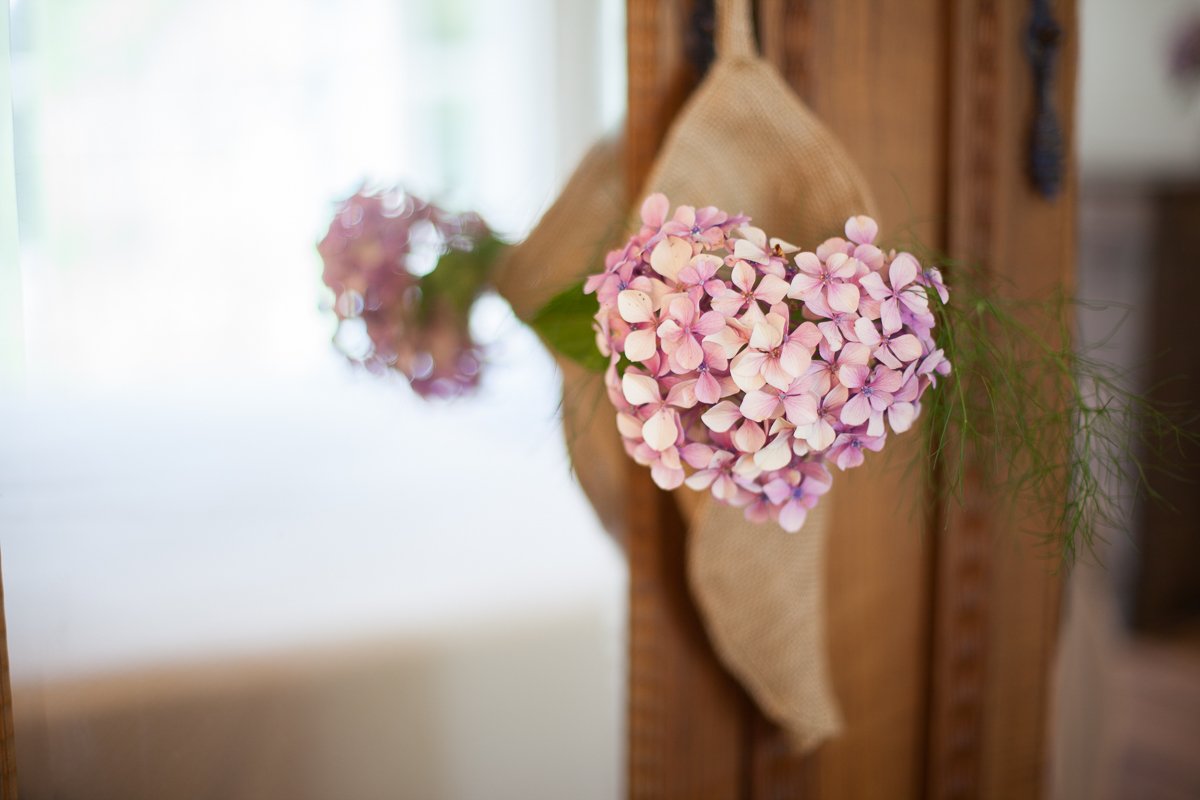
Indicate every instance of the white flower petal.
{"type": "Point", "coordinates": [776, 455]}
{"type": "Point", "coordinates": [641, 345]}
{"type": "Point", "coordinates": [660, 431]}
{"type": "Point", "coordinates": [635, 306]}
{"type": "Point", "coordinates": [722, 416]}
{"type": "Point", "coordinates": [640, 389]}
{"type": "Point", "coordinates": [759, 405]}
{"type": "Point", "coordinates": [629, 426]}
{"type": "Point", "coordinates": [669, 256]}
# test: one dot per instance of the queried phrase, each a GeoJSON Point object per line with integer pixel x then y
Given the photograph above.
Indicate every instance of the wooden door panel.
{"type": "Point", "coordinates": [941, 624]}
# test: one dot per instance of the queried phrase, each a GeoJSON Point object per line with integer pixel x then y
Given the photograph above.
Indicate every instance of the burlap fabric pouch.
{"type": "Point", "coordinates": [745, 143]}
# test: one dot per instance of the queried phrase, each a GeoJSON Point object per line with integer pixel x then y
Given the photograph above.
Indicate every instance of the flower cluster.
{"type": "Point", "coordinates": [397, 304]}
{"type": "Point", "coordinates": [756, 364]}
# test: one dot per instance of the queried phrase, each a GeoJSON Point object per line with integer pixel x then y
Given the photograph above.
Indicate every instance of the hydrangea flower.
{"type": "Point", "coordinates": [744, 366]}
{"type": "Point", "coordinates": [395, 312]}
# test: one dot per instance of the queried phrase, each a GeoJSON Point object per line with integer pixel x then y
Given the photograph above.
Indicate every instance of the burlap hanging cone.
{"type": "Point", "coordinates": [745, 143]}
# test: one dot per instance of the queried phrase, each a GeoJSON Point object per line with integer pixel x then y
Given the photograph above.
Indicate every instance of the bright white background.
{"type": "Point", "coordinates": [187, 469]}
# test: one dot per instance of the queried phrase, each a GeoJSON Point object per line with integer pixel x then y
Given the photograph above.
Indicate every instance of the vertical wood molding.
{"type": "Point", "coordinates": [961, 596]}
{"type": "Point", "coordinates": [996, 594]}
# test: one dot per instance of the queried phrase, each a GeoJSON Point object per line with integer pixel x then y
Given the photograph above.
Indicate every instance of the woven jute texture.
{"type": "Point", "coordinates": [745, 143]}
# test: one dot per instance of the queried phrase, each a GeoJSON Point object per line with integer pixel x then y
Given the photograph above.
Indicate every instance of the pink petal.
{"type": "Point", "coordinates": [654, 210]}
{"type": "Point", "coordinates": [853, 375]}
{"type": "Point", "coordinates": [777, 491]}
{"type": "Point", "coordinates": [901, 416]}
{"type": "Point", "coordinates": [686, 216]}
{"type": "Point", "coordinates": [804, 286]}
{"type": "Point", "coordinates": [906, 348]}
{"type": "Point", "coordinates": [800, 409]}
{"type": "Point", "coordinates": [755, 235]}
{"type": "Point", "coordinates": [879, 402]}
{"type": "Point", "coordinates": [834, 245]}
{"type": "Point", "coordinates": [884, 354]}
{"type": "Point", "coordinates": [808, 263]}
{"type": "Point", "coordinates": [749, 251]}
{"type": "Point", "coordinates": [821, 435]}
{"type": "Point", "coordinates": [794, 358]}
{"type": "Point", "coordinates": [669, 256]}
{"type": "Point", "coordinates": [807, 334]}
{"type": "Point", "coordinates": [842, 297]}
{"type": "Point", "coordinates": [768, 334]}
{"type": "Point", "coordinates": [841, 266]}
{"type": "Point", "coordinates": [640, 389]}
{"type": "Point", "coordinates": [903, 271]}
{"type": "Point", "coordinates": [722, 416]}
{"type": "Point", "coordinates": [705, 266]}
{"type": "Point", "coordinates": [697, 455]}
{"type": "Point", "coordinates": [776, 375]}
{"type": "Point", "coordinates": [682, 394]}
{"type": "Point", "coordinates": [687, 355]}
{"type": "Point", "coordinates": [749, 437]}
{"type": "Point", "coordinates": [861, 229]}
{"type": "Point", "coordinates": [635, 306]}
{"type": "Point", "coordinates": [870, 255]}
{"type": "Point", "coordinates": [641, 345]}
{"type": "Point", "coordinates": [701, 480]}
{"type": "Point", "coordinates": [873, 285]}
{"type": "Point", "coordinates": [759, 405]}
{"type": "Point", "coordinates": [776, 455]}
{"type": "Point", "coordinates": [792, 516]}
{"type": "Point", "coordinates": [666, 478]}
{"type": "Point", "coordinates": [772, 289]}
{"type": "Point", "coordinates": [743, 276]}
{"type": "Point", "coordinates": [875, 425]}
{"type": "Point", "coordinates": [865, 330]}
{"type": "Point", "coordinates": [855, 353]}
{"type": "Point", "coordinates": [849, 458]}
{"type": "Point", "coordinates": [670, 332]}
{"type": "Point", "coordinates": [724, 489]}
{"type": "Point", "coordinates": [748, 363]}
{"type": "Point", "coordinates": [709, 323]}
{"type": "Point", "coordinates": [836, 397]}
{"type": "Point", "coordinates": [728, 303]}
{"type": "Point", "coordinates": [830, 331]}
{"type": "Point", "coordinates": [856, 411]}
{"type": "Point", "coordinates": [708, 390]}
{"type": "Point", "coordinates": [889, 315]}
{"type": "Point", "coordinates": [629, 426]}
{"type": "Point", "coordinates": [660, 431]}
{"type": "Point", "coordinates": [887, 380]}
{"type": "Point", "coordinates": [683, 309]}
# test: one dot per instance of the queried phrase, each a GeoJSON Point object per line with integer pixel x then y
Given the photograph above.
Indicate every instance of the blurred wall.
{"type": "Point", "coordinates": [1133, 120]}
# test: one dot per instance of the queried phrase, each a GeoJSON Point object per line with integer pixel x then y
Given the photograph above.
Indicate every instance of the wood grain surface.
{"type": "Point", "coordinates": [941, 624]}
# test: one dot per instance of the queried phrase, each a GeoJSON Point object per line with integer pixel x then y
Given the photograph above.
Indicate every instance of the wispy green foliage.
{"type": "Point", "coordinates": [1054, 427]}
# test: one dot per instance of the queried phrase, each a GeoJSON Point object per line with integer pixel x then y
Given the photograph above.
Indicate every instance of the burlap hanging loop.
{"type": "Point", "coordinates": [734, 31]}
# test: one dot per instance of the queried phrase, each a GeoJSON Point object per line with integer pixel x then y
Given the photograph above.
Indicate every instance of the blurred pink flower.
{"type": "Point", "coordinates": [415, 323]}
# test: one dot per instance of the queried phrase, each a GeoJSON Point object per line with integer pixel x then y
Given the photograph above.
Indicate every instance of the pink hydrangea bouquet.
{"type": "Point", "coordinates": [746, 366]}
{"type": "Point", "coordinates": [406, 273]}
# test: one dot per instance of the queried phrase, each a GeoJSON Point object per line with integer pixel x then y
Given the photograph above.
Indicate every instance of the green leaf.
{"type": "Point", "coordinates": [565, 324]}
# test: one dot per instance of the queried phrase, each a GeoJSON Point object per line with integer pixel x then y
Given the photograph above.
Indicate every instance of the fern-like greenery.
{"type": "Point", "coordinates": [1054, 427]}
